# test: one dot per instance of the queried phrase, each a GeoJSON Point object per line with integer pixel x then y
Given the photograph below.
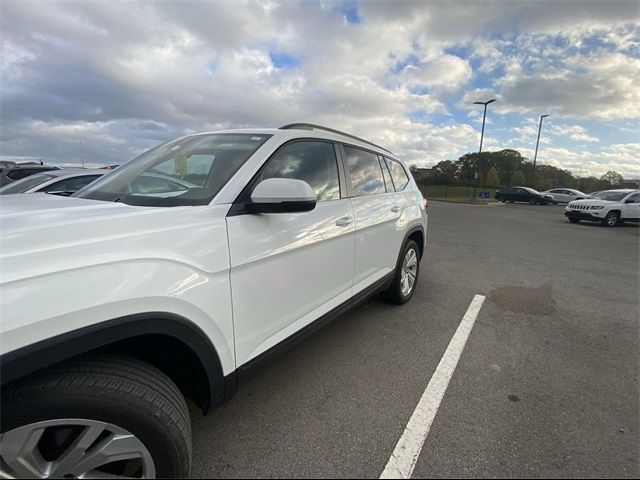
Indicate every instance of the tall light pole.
{"type": "Point", "coordinates": [535, 155]}
{"type": "Point", "coordinates": [484, 116]}
{"type": "Point", "coordinates": [579, 175]}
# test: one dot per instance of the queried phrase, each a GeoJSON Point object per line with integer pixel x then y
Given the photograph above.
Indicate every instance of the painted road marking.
{"type": "Point", "coordinates": [405, 455]}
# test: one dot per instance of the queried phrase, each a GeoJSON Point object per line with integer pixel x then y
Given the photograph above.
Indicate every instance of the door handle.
{"type": "Point", "coordinates": [344, 221]}
{"type": "Point", "coordinates": [395, 209]}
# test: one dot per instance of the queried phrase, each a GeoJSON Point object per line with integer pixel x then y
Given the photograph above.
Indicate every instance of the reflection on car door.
{"type": "Point", "coordinates": [288, 269]}
{"type": "Point", "coordinates": [376, 213]}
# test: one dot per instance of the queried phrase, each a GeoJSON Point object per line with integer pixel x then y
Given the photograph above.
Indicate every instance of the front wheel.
{"type": "Point", "coordinates": [406, 277]}
{"type": "Point", "coordinates": [574, 220]}
{"type": "Point", "coordinates": [611, 220]}
{"type": "Point", "coordinates": [95, 417]}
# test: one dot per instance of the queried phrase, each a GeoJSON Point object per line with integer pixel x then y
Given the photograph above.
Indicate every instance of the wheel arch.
{"type": "Point", "coordinates": [170, 342]}
{"type": "Point", "coordinates": [416, 234]}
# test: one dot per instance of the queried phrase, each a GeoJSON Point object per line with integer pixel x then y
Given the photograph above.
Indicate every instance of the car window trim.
{"type": "Point", "coordinates": [405, 172]}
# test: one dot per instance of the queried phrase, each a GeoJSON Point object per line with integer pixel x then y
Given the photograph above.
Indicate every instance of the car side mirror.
{"type": "Point", "coordinates": [282, 195]}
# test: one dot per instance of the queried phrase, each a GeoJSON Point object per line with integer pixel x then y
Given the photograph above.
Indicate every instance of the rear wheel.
{"type": "Point", "coordinates": [611, 220]}
{"type": "Point", "coordinates": [406, 277]}
{"type": "Point", "coordinates": [95, 417]}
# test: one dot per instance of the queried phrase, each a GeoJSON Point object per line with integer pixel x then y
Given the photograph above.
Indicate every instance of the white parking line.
{"type": "Point", "coordinates": [405, 455]}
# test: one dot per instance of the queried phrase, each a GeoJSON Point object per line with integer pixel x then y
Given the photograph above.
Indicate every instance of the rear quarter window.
{"type": "Point", "coordinates": [398, 174]}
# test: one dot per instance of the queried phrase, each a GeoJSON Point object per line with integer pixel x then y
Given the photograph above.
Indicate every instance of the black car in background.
{"type": "Point", "coordinates": [18, 172]}
{"type": "Point", "coordinates": [523, 194]}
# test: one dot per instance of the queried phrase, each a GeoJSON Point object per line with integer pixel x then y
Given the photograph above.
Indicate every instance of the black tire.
{"type": "Point", "coordinates": [555, 203]}
{"type": "Point", "coordinates": [394, 293]}
{"type": "Point", "coordinates": [510, 201]}
{"type": "Point", "coordinates": [119, 390]}
{"type": "Point", "coordinates": [574, 220]}
{"type": "Point", "coordinates": [612, 219]}
{"type": "Point", "coordinates": [532, 201]}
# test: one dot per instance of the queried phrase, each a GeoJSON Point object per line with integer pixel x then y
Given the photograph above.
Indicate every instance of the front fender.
{"type": "Point", "coordinates": [46, 306]}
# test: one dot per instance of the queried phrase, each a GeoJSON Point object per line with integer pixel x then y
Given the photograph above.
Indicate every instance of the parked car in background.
{"type": "Point", "coordinates": [565, 195]}
{"type": "Point", "coordinates": [523, 194]}
{"type": "Point", "coordinates": [11, 174]}
{"type": "Point", "coordinates": [610, 207]}
{"type": "Point", "coordinates": [134, 275]}
{"type": "Point", "coordinates": [7, 164]}
{"type": "Point", "coordinates": [56, 182]}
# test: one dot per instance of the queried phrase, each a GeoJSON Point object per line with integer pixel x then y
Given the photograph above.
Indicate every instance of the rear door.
{"type": "Point", "coordinates": [288, 269]}
{"type": "Point", "coordinates": [376, 213]}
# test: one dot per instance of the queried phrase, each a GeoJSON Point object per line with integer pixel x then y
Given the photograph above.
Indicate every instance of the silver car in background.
{"type": "Point", "coordinates": [56, 182]}
{"type": "Point", "coordinates": [565, 195]}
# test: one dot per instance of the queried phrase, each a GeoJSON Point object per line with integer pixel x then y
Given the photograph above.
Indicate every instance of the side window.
{"type": "Point", "coordinates": [635, 198]}
{"type": "Point", "coordinates": [364, 171]}
{"type": "Point", "coordinates": [313, 162]}
{"type": "Point", "coordinates": [387, 176]}
{"type": "Point", "coordinates": [70, 184]}
{"type": "Point", "coordinates": [400, 178]}
{"type": "Point", "coordinates": [20, 173]}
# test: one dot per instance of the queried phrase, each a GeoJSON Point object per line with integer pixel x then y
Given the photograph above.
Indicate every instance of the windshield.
{"type": "Point", "coordinates": [27, 183]}
{"type": "Point", "coordinates": [611, 195]}
{"type": "Point", "coordinates": [530, 190]}
{"type": "Point", "coordinates": [188, 171]}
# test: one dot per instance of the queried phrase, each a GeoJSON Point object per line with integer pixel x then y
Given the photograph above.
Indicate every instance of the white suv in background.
{"type": "Point", "coordinates": [136, 293]}
{"type": "Point", "coordinates": [610, 207]}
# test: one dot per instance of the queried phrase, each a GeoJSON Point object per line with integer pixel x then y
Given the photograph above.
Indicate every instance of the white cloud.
{"type": "Point", "coordinates": [123, 76]}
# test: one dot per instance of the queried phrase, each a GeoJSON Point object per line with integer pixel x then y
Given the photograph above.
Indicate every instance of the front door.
{"type": "Point", "coordinates": [631, 210]}
{"type": "Point", "coordinates": [288, 269]}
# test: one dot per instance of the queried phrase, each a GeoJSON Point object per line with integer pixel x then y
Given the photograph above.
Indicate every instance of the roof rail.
{"type": "Point", "coordinates": [311, 126]}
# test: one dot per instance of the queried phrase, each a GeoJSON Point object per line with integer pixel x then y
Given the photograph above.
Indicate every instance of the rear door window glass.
{"type": "Point", "coordinates": [364, 172]}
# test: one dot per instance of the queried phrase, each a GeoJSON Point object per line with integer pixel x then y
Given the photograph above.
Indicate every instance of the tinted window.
{"type": "Point", "coordinates": [25, 184]}
{"type": "Point", "coordinates": [365, 172]}
{"type": "Point", "coordinates": [400, 178]}
{"type": "Point", "coordinates": [634, 198]}
{"type": "Point", "coordinates": [387, 176]}
{"type": "Point", "coordinates": [70, 184]}
{"type": "Point", "coordinates": [19, 173]}
{"type": "Point", "coordinates": [313, 162]}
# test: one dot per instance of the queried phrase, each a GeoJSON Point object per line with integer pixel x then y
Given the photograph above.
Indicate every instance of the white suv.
{"type": "Point", "coordinates": [168, 278]}
{"type": "Point", "coordinates": [610, 207]}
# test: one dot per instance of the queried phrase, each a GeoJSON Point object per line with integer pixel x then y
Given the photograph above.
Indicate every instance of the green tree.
{"type": "Point", "coordinates": [611, 178]}
{"type": "Point", "coordinates": [493, 178]}
{"type": "Point", "coordinates": [446, 172]}
{"type": "Point", "coordinates": [518, 178]}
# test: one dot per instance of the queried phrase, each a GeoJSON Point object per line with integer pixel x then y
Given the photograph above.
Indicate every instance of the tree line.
{"type": "Point", "coordinates": [509, 168]}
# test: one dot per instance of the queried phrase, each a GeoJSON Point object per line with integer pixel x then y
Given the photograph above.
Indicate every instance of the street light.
{"type": "Point", "coordinates": [484, 116]}
{"type": "Point", "coordinates": [535, 155]}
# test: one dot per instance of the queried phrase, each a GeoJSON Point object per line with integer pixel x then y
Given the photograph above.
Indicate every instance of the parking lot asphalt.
{"type": "Point", "coordinates": [547, 386]}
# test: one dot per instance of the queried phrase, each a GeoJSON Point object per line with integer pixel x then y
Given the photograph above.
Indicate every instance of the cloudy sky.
{"type": "Point", "coordinates": [110, 79]}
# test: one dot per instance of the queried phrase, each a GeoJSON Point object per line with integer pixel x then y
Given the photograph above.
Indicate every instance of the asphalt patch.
{"type": "Point", "coordinates": [529, 300]}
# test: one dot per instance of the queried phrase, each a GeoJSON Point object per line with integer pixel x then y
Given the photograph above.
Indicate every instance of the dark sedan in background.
{"type": "Point", "coordinates": [523, 194]}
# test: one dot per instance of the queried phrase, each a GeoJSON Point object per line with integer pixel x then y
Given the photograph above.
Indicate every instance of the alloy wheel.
{"type": "Point", "coordinates": [73, 448]}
